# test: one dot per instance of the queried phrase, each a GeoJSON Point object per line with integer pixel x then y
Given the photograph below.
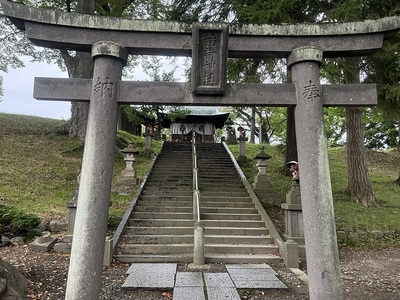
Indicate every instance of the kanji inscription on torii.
{"type": "Point", "coordinates": [209, 57]}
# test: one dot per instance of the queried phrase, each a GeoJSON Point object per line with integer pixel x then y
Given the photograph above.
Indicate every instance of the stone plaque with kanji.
{"type": "Point", "coordinates": [209, 57]}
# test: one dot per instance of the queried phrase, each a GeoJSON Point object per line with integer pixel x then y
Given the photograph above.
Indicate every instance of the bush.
{"type": "Point", "coordinates": [17, 222]}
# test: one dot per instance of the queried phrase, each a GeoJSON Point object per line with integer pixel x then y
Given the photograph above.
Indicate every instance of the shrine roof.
{"type": "Point", "coordinates": [218, 120]}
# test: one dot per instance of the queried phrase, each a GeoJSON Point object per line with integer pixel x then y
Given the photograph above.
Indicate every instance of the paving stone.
{"type": "Point", "coordinates": [253, 277]}
{"type": "Point", "coordinates": [222, 293]}
{"type": "Point", "coordinates": [218, 280]}
{"type": "Point", "coordinates": [250, 272]}
{"type": "Point", "coordinates": [192, 293]}
{"type": "Point", "coordinates": [149, 280]}
{"type": "Point", "coordinates": [248, 266]}
{"type": "Point", "coordinates": [238, 268]}
{"type": "Point", "coordinates": [152, 267]}
{"type": "Point", "coordinates": [189, 279]}
{"type": "Point", "coordinates": [260, 284]}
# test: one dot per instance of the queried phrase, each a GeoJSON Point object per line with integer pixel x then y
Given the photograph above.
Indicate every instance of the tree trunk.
{"type": "Point", "coordinates": [398, 134]}
{"type": "Point", "coordinates": [291, 145]}
{"type": "Point", "coordinates": [253, 126]}
{"type": "Point", "coordinates": [359, 183]}
{"type": "Point", "coordinates": [80, 66]}
{"type": "Point", "coordinates": [397, 181]}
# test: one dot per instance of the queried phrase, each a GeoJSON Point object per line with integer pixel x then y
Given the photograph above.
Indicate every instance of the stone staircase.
{"type": "Point", "coordinates": [160, 229]}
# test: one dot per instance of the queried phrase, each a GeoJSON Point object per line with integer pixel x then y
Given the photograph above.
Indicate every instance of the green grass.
{"type": "Point", "coordinates": [351, 217]}
{"type": "Point", "coordinates": [40, 164]}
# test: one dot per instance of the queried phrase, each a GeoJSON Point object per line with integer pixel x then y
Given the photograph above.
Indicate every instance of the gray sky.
{"type": "Point", "coordinates": [18, 90]}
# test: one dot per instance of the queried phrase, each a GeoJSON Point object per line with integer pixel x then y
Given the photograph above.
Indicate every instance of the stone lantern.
{"type": "Point", "coordinates": [230, 131]}
{"type": "Point", "coordinates": [129, 158]}
{"type": "Point", "coordinates": [262, 158]}
{"type": "Point", "coordinates": [262, 186]}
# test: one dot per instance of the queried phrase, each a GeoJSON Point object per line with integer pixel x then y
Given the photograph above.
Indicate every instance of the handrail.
{"type": "Point", "coordinates": [198, 233]}
{"type": "Point", "coordinates": [196, 192]}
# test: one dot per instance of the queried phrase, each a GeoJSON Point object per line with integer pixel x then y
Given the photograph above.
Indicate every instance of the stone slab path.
{"type": "Point", "coordinates": [202, 285]}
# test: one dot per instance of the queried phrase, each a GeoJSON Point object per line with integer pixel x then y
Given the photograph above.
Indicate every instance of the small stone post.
{"type": "Point", "coordinates": [72, 214]}
{"type": "Point", "coordinates": [315, 184]}
{"type": "Point", "coordinates": [242, 144]}
{"type": "Point", "coordinates": [198, 244]}
{"type": "Point", "coordinates": [148, 137]}
{"type": "Point", "coordinates": [87, 254]}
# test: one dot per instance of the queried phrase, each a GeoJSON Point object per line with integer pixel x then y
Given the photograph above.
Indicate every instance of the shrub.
{"type": "Point", "coordinates": [17, 222]}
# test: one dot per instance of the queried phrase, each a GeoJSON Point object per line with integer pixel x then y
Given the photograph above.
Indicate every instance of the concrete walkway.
{"type": "Point", "coordinates": [202, 285]}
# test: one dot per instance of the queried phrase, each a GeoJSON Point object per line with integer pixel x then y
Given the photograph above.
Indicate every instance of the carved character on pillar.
{"type": "Point", "coordinates": [103, 87]}
{"type": "Point", "coordinates": [311, 91]}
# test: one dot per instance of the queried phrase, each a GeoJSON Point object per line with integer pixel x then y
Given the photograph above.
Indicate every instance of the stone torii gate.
{"type": "Point", "coordinates": [110, 40]}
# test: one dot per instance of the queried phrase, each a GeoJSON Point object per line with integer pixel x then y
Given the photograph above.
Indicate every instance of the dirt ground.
{"type": "Point", "coordinates": [366, 274]}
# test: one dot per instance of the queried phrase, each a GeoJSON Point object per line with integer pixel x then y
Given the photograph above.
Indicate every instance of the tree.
{"type": "Point", "coordinates": [359, 184]}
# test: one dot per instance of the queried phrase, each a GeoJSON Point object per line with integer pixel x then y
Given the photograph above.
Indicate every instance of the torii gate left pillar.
{"type": "Point", "coordinates": [84, 275]}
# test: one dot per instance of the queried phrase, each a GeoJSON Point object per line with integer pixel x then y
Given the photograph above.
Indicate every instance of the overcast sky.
{"type": "Point", "coordinates": [18, 91]}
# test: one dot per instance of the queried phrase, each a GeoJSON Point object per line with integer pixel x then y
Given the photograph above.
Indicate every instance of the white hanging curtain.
{"type": "Point", "coordinates": [176, 128]}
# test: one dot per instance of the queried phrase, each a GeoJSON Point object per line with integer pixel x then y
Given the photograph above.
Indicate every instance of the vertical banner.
{"type": "Point", "coordinates": [209, 59]}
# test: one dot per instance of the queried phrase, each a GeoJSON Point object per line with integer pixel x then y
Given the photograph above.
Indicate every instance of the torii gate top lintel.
{"type": "Point", "coordinates": [79, 32]}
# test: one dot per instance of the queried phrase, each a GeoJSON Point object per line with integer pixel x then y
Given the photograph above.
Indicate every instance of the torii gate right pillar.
{"type": "Point", "coordinates": [315, 184]}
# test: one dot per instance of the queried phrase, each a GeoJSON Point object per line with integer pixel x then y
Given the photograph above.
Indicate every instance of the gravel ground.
{"type": "Point", "coordinates": [367, 275]}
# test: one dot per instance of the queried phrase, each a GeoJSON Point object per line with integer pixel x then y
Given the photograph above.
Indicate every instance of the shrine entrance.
{"type": "Point", "coordinates": [111, 40]}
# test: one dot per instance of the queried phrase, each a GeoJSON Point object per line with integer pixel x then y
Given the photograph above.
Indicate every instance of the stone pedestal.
{"type": "Point", "coordinates": [294, 218]}
{"type": "Point", "coordinates": [148, 137]}
{"type": "Point", "coordinates": [43, 243]}
{"type": "Point", "coordinates": [242, 148]}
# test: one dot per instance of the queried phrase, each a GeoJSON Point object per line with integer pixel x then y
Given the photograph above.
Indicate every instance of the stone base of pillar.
{"type": "Point", "coordinates": [125, 185]}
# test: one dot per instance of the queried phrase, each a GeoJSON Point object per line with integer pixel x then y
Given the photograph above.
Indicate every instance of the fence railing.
{"type": "Point", "coordinates": [198, 234]}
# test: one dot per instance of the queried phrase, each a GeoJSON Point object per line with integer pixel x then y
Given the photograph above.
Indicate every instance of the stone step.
{"type": "Point", "coordinates": [188, 257]}
{"type": "Point", "coordinates": [226, 204]}
{"type": "Point", "coordinates": [242, 193]}
{"type": "Point", "coordinates": [168, 193]}
{"type": "Point", "coordinates": [190, 223]}
{"type": "Point", "coordinates": [226, 216]}
{"type": "Point", "coordinates": [188, 239]}
{"type": "Point", "coordinates": [221, 198]}
{"type": "Point", "coordinates": [154, 248]}
{"type": "Point", "coordinates": [164, 202]}
{"type": "Point", "coordinates": [227, 210]}
{"type": "Point", "coordinates": [164, 198]}
{"type": "Point", "coordinates": [162, 258]}
{"type": "Point", "coordinates": [241, 249]}
{"type": "Point", "coordinates": [160, 215]}
{"type": "Point", "coordinates": [241, 258]}
{"type": "Point", "coordinates": [236, 231]}
{"type": "Point", "coordinates": [151, 230]}
{"type": "Point", "coordinates": [151, 208]}
{"type": "Point", "coordinates": [222, 189]}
